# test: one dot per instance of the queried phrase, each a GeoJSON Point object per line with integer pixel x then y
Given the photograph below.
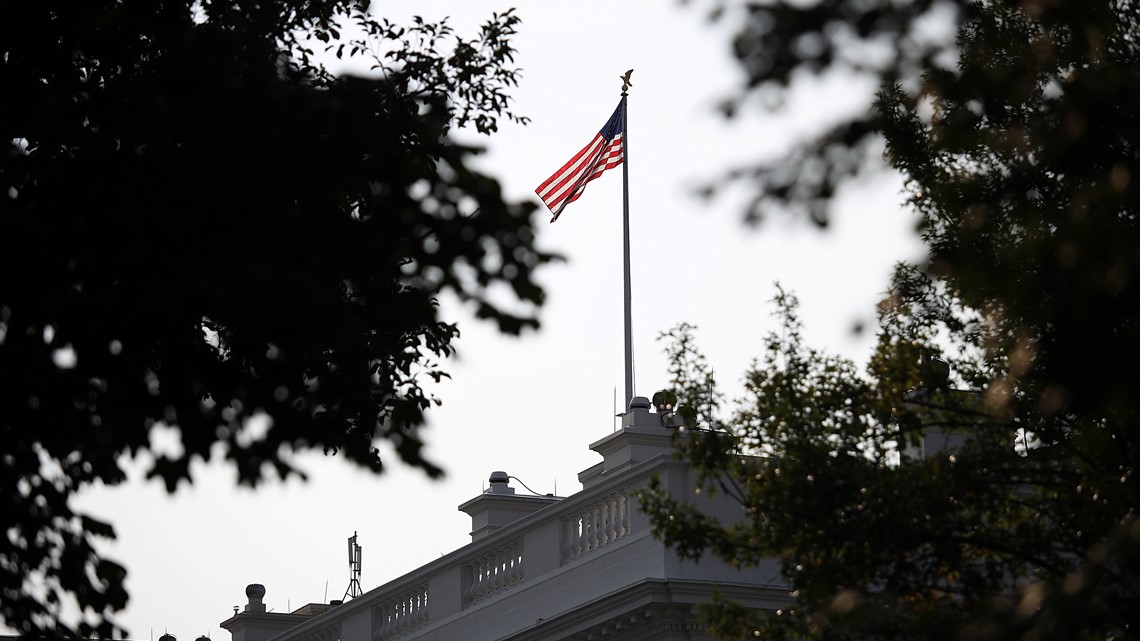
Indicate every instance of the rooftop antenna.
{"type": "Point", "coordinates": [709, 391]}
{"type": "Point", "coordinates": [353, 590]}
{"type": "Point", "coordinates": [616, 414]}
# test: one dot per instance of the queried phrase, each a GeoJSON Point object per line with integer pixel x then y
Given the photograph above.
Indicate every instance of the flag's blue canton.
{"type": "Point", "coordinates": [613, 125]}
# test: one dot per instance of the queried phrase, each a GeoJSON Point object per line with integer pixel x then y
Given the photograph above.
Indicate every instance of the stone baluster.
{"type": "Point", "coordinates": [623, 515]}
{"type": "Point", "coordinates": [499, 576]}
{"type": "Point", "coordinates": [592, 515]}
{"type": "Point", "coordinates": [516, 558]}
{"type": "Point", "coordinates": [610, 508]}
{"type": "Point", "coordinates": [484, 565]}
{"type": "Point", "coordinates": [578, 531]}
{"type": "Point", "coordinates": [386, 617]}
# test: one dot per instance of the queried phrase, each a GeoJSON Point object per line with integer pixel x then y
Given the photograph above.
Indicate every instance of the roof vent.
{"type": "Point", "coordinates": [255, 592]}
{"type": "Point", "coordinates": [639, 403]}
{"type": "Point", "coordinates": [499, 485]}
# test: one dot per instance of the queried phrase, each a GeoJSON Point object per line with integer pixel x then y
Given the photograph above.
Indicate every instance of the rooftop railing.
{"type": "Point", "coordinates": [573, 551]}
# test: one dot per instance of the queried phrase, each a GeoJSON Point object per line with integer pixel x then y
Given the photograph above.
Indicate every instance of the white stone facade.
{"type": "Point", "coordinates": [581, 568]}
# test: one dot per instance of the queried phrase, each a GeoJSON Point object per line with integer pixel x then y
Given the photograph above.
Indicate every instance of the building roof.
{"type": "Point", "coordinates": [543, 567]}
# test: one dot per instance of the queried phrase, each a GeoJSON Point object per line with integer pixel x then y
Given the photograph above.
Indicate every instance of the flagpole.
{"type": "Point", "coordinates": [625, 229]}
{"type": "Point", "coordinates": [606, 150]}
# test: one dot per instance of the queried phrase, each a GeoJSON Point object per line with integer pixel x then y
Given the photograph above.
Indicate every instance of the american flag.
{"type": "Point", "coordinates": [604, 152]}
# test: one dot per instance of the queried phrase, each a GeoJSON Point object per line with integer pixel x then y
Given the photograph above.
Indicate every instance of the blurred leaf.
{"type": "Point", "coordinates": [202, 229]}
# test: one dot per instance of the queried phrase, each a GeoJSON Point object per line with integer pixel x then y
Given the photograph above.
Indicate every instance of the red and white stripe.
{"type": "Point", "coordinates": [568, 183]}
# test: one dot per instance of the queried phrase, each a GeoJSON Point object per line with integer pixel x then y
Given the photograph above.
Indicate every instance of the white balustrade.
{"type": "Point", "coordinates": [492, 572]}
{"type": "Point", "coordinates": [402, 613]}
{"type": "Point", "coordinates": [595, 525]}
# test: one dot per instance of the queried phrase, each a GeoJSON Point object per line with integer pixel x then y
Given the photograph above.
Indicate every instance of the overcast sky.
{"type": "Point", "coordinates": [532, 405]}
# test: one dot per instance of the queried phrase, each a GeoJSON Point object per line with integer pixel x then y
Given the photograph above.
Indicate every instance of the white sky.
{"type": "Point", "coordinates": [531, 405]}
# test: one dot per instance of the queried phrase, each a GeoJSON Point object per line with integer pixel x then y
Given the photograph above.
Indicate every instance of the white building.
{"type": "Point", "coordinates": [581, 568]}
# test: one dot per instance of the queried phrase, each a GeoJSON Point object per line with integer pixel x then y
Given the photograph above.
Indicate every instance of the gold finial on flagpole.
{"type": "Point", "coordinates": [625, 83]}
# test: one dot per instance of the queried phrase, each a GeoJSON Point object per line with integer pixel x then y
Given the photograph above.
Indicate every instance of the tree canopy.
{"type": "Point", "coordinates": [199, 224]}
{"type": "Point", "coordinates": [1015, 338]}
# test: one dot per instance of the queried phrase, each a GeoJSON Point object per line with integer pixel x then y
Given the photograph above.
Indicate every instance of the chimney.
{"type": "Point", "coordinates": [255, 592]}
{"type": "Point", "coordinates": [499, 506]}
{"type": "Point", "coordinates": [643, 435]}
{"type": "Point", "coordinates": [254, 623]}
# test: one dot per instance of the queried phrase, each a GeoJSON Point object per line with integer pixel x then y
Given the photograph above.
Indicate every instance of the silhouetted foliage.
{"type": "Point", "coordinates": [782, 45]}
{"type": "Point", "coordinates": [1020, 164]}
{"type": "Point", "coordinates": [1018, 142]}
{"type": "Point", "coordinates": [199, 224]}
{"type": "Point", "coordinates": [1019, 158]}
{"type": "Point", "coordinates": [901, 505]}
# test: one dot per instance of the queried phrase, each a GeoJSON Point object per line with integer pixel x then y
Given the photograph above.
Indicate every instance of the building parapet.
{"type": "Point", "coordinates": [538, 567]}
